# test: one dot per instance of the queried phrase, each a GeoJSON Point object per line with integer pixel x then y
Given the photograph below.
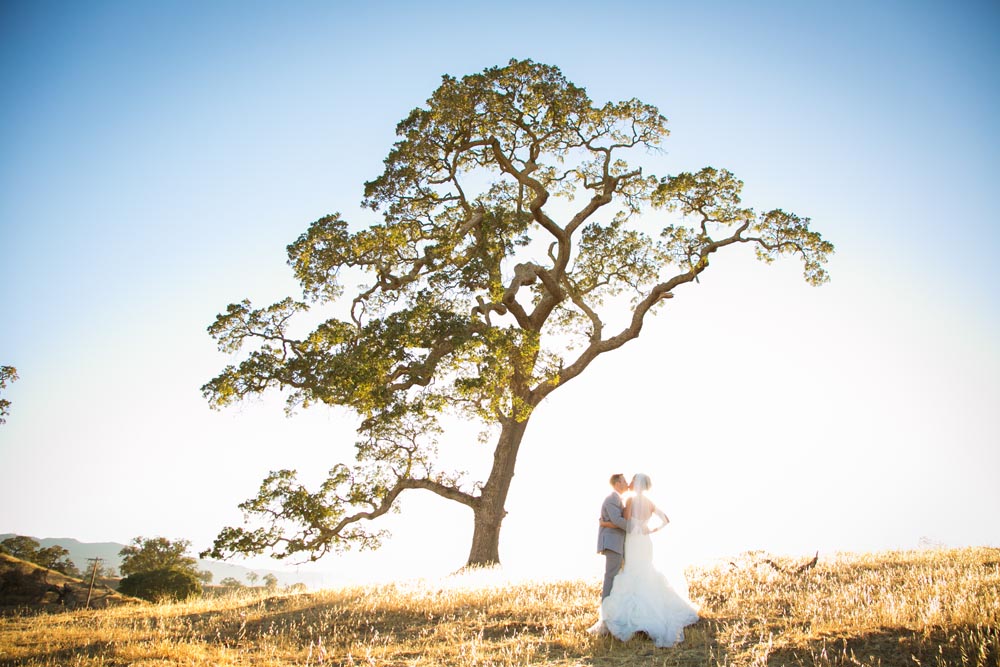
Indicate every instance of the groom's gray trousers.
{"type": "Point", "coordinates": [612, 566]}
{"type": "Point", "coordinates": [611, 541]}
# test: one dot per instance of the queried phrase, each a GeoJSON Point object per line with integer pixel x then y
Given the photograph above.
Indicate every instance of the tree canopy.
{"type": "Point", "coordinates": [21, 546]}
{"type": "Point", "coordinates": [161, 584]}
{"type": "Point", "coordinates": [511, 230]}
{"type": "Point", "coordinates": [159, 553]}
{"type": "Point", "coordinates": [52, 557]}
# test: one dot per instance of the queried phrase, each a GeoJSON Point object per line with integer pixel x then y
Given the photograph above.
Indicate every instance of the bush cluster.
{"type": "Point", "coordinates": [160, 585]}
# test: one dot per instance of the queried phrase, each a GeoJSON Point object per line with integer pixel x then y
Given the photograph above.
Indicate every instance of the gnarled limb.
{"type": "Point", "coordinates": [313, 524]}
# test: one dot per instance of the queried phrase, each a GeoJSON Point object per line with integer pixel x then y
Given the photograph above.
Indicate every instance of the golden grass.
{"type": "Point", "coordinates": [930, 608]}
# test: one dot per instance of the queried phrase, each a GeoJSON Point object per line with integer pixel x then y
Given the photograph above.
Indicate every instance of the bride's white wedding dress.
{"type": "Point", "coordinates": [642, 599]}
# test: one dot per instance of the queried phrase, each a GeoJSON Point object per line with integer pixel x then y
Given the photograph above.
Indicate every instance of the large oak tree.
{"type": "Point", "coordinates": [510, 223]}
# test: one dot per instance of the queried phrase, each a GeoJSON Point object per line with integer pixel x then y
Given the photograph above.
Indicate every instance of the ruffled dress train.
{"type": "Point", "coordinates": [643, 600]}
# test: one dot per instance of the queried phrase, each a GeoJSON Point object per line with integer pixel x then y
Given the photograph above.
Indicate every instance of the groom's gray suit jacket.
{"type": "Point", "coordinates": [612, 539]}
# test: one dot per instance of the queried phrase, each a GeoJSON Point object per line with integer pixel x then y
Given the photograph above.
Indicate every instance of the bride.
{"type": "Point", "coordinates": [642, 599]}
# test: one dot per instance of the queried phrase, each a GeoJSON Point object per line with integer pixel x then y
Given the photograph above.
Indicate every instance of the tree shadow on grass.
{"type": "Point", "coordinates": [304, 619]}
{"type": "Point", "coordinates": [66, 656]}
{"type": "Point", "coordinates": [967, 645]}
{"type": "Point", "coordinates": [303, 624]}
{"type": "Point", "coordinates": [698, 648]}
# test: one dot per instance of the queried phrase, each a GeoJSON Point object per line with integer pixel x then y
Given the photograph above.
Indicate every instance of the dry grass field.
{"type": "Point", "coordinates": [928, 608]}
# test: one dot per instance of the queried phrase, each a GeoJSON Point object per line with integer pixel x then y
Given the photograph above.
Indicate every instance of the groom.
{"type": "Point", "coordinates": [611, 541]}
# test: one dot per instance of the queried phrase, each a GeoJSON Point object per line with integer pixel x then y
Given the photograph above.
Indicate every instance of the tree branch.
{"type": "Point", "coordinates": [442, 490]}
{"type": "Point", "coordinates": [658, 293]}
{"type": "Point", "coordinates": [541, 194]}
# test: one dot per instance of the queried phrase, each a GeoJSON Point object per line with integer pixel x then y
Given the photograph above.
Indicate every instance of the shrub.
{"type": "Point", "coordinates": [160, 585]}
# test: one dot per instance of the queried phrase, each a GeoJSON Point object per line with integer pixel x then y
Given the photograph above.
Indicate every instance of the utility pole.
{"type": "Point", "coordinates": [93, 578]}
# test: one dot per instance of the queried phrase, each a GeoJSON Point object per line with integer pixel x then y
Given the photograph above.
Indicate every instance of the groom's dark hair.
{"type": "Point", "coordinates": [617, 477]}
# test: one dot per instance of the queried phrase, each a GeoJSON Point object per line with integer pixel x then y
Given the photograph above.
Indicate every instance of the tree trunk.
{"type": "Point", "coordinates": [489, 510]}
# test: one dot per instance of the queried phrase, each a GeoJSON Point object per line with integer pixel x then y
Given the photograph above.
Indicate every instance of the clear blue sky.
{"type": "Point", "coordinates": [156, 158]}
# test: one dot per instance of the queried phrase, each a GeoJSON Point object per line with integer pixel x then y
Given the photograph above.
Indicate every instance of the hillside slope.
{"type": "Point", "coordinates": [24, 585]}
{"type": "Point", "coordinates": [894, 609]}
{"type": "Point", "coordinates": [80, 552]}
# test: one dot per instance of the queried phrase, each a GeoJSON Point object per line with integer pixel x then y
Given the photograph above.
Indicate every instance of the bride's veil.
{"type": "Point", "coordinates": [640, 485]}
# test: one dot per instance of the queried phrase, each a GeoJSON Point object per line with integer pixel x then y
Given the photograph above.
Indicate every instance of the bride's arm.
{"type": "Point", "coordinates": [628, 509]}
{"type": "Point", "coordinates": [663, 519]}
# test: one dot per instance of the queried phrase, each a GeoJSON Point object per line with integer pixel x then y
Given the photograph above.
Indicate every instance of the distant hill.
{"type": "Point", "coordinates": [80, 552]}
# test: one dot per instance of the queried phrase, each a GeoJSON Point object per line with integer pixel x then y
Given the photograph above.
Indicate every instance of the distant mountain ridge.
{"type": "Point", "coordinates": [80, 552]}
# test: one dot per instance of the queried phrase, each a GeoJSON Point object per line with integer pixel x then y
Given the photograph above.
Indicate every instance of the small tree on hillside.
{"type": "Point", "coordinates": [54, 557]}
{"type": "Point", "coordinates": [270, 582]}
{"type": "Point", "coordinates": [21, 546]}
{"type": "Point", "coordinates": [510, 222]}
{"type": "Point", "coordinates": [57, 558]}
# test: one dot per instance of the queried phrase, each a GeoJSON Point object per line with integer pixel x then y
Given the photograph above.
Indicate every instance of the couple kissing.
{"type": "Point", "coordinates": [636, 597]}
